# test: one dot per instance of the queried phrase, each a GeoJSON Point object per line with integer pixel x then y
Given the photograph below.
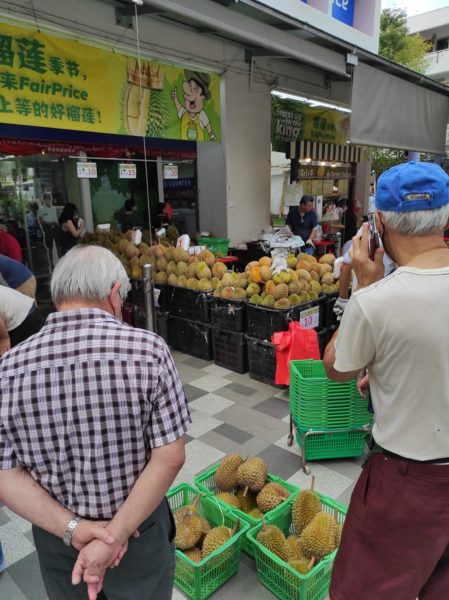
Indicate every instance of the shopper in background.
{"type": "Point", "coordinates": [72, 227]}
{"type": "Point", "coordinates": [395, 541]}
{"type": "Point", "coordinates": [48, 220]}
{"type": "Point", "coordinates": [128, 220]}
{"type": "Point", "coordinates": [9, 246]}
{"type": "Point", "coordinates": [19, 318]}
{"type": "Point", "coordinates": [303, 221]}
{"type": "Point", "coordinates": [348, 219]}
{"type": "Point", "coordinates": [18, 276]}
{"type": "Point", "coordinates": [100, 435]}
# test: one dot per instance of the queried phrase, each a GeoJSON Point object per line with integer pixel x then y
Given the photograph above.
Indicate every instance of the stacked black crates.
{"type": "Point", "coordinates": [228, 319]}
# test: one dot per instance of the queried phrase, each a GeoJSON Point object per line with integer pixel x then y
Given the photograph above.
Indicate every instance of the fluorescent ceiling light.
{"type": "Point", "coordinates": [310, 102]}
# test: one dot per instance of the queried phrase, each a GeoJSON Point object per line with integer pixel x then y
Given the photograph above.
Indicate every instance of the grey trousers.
{"type": "Point", "coordinates": [146, 572]}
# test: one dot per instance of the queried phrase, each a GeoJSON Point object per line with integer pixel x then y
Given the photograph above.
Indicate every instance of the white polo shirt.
{"type": "Point", "coordinates": [14, 307]}
{"type": "Point", "coordinates": [47, 213]}
{"type": "Point", "coordinates": [398, 327]}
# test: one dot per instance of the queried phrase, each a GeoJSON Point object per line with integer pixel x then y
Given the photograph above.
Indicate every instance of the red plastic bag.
{"type": "Point", "coordinates": [295, 344]}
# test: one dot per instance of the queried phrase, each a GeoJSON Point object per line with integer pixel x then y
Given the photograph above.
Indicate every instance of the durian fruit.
{"type": "Point", "coordinates": [281, 291]}
{"type": "Point", "coordinates": [226, 474]}
{"type": "Point", "coordinates": [270, 286]}
{"type": "Point", "coordinates": [194, 554]}
{"type": "Point", "coordinates": [252, 474]}
{"type": "Point", "coordinates": [327, 259]}
{"type": "Point", "coordinates": [274, 540]}
{"type": "Point", "coordinates": [172, 268]}
{"type": "Point", "coordinates": [326, 268]}
{"type": "Point", "coordinates": [295, 546]}
{"type": "Point", "coordinates": [255, 513]}
{"type": "Point", "coordinates": [204, 285]}
{"type": "Point", "coordinates": [182, 268]}
{"type": "Point", "coordinates": [306, 506]}
{"type": "Point", "coordinates": [318, 538]}
{"type": "Point", "coordinates": [219, 269]}
{"type": "Point", "coordinates": [282, 277]}
{"type": "Point", "coordinates": [327, 279]}
{"type": "Point", "coordinates": [216, 537]}
{"type": "Point", "coordinates": [161, 264]}
{"type": "Point", "coordinates": [265, 261]}
{"type": "Point", "coordinates": [227, 292]}
{"type": "Point", "coordinates": [291, 260]}
{"type": "Point", "coordinates": [268, 301]}
{"type": "Point", "coordinates": [248, 502]}
{"type": "Point", "coordinates": [252, 290]}
{"type": "Point", "coordinates": [256, 299]}
{"type": "Point", "coordinates": [208, 257]}
{"type": "Point", "coordinates": [294, 299]}
{"type": "Point", "coordinates": [266, 272]}
{"type": "Point", "coordinates": [190, 271]}
{"type": "Point", "coordinates": [294, 287]}
{"type": "Point", "coordinates": [270, 496]}
{"type": "Point", "coordinates": [192, 283]}
{"type": "Point", "coordinates": [238, 294]}
{"type": "Point", "coordinates": [229, 499]}
{"type": "Point", "coordinates": [202, 270]}
{"type": "Point", "coordinates": [282, 303]}
{"type": "Point", "coordinates": [304, 264]}
{"type": "Point", "coordinates": [172, 279]}
{"type": "Point", "coordinates": [251, 265]}
{"type": "Point", "coordinates": [302, 565]}
{"type": "Point", "coordinates": [160, 278]}
{"type": "Point", "coordinates": [190, 526]}
{"type": "Point", "coordinates": [215, 283]}
{"type": "Point", "coordinates": [303, 274]}
{"type": "Point", "coordinates": [182, 281]}
{"type": "Point", "coordinates": [227, 280]}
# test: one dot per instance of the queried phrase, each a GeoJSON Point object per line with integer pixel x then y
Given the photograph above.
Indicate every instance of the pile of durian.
{"type": "Point", "coordinates": [304, 280]}
{"type": "Point", "coordinates": [243, 484]}
{"type": "Point", "coordinates": [317, 534]}
{"type": "Point", "coordinates": [194, 534]}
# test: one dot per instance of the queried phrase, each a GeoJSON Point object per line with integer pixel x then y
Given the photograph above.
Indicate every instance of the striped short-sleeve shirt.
{"type": "Point", "coordinates": [83, 402]}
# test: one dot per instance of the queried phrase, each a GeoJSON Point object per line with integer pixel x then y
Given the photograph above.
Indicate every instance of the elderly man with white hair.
{"type": "Point", "coordinates": [92, 423]}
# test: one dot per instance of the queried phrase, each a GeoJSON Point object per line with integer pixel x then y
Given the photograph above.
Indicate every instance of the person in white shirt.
{"type": "Point", "coordinates": [395, 541]}
{"type": "Point", "coordinates": [19, 318]}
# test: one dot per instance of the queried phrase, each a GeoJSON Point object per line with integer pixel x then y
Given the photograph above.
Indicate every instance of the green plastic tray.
{"type": "Point", "coordinates": [215, 245]}
{"type": "Point", "coordinates": [316, 401]}
{"type": "Point", "coordinates": [199, 580]}
{"type": "Point", "coordinates": [205, 482]}
{"type": "Point", "coordinates": [332, 443]}
{"type": "Point", "coordinates": [283, 581]}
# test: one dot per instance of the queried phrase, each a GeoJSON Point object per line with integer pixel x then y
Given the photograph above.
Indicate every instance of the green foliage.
{"type": "Point", "coordinates": [385, 158]}
{"type": "Point", "coordinates": [396, 44]}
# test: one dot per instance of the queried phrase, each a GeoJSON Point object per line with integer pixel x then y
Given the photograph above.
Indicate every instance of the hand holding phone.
{"type": "Point", "coordinates": [374, 239]}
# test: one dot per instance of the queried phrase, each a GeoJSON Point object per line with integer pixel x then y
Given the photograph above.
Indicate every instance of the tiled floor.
{"type": "Point", "coordinates": [229, 412]}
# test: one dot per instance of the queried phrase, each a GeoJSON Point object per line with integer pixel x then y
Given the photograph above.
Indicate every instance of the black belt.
{"type": "Point", "coordinates": [421, 462]}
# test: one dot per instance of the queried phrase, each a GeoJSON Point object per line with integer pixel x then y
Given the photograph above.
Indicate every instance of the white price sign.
{"type": "Point", "coordinates": [127, 171]}
{"type": "Point", "coordinates": [310, 318]}
{"type": "Point", "coordinates": [86, 170]}
{"type": "Point", "coordinates": [170, 171]}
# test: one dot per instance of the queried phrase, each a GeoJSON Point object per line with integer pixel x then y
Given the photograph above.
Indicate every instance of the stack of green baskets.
{"type": "Point", "coordinates": [199, 580]}
{"type": "Point", "coordinates": [331, 417]}
{"type": "Point", "coordinates": [215, 245]}
{"type": "Point", "coordinates": [206, 483]}
{"type": "Point", "coordinates": [281, 579]}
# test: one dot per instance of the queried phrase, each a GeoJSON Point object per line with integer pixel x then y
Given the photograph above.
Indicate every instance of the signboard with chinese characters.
{"type": "Point", "coordinates": [86, 170]}
{"type": "Point", "coordinates": [292, 121]}
{"type": "Point", "coordinates": [47, 81]}
{"type": "Point", "coordinates": [127, 171]}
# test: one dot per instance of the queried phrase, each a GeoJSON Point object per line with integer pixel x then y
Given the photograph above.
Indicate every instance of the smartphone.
{"type": "Point", "coordinates": [374, 238]}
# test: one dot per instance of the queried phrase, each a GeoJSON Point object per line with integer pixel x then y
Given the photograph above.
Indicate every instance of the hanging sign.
{"type": "Point", "coordinates": [170, 171]}
{"type": "Point", "coordinates": [86, 170]}
{"type": "Point", "coordinates": [127, 171]}
{"type": "Point", "coordinates": [49, 81]}
{"type": "Point", "coordinates": [310, 318]}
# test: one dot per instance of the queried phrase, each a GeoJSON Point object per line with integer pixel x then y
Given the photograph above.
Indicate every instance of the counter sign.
{"type": "Point", "coordinates": [127, 171]}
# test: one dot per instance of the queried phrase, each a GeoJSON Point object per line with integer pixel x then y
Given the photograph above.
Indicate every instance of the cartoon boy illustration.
{"type": "Point", "coordinates": [193, 118]}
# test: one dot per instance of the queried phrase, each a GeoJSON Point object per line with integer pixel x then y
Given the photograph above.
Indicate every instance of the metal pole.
{"type": "Point", "coordinates": [149, 297]}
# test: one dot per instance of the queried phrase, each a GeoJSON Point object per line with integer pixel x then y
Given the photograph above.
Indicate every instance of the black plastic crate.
{"type": "Point", "coordinates": [230, 350]}
{"type": "Point", "coordinates": [189, 304]}
{"type": "Point", "coordinates": [190, 337]}
{"type": "Point", "coordinates": [329, 317]}
{"type": "Point", "coordinates": [161, 319]}
{"type": "Point", "coordinates": [262, 321]}
{"type": "Point", "coordinates": [228, 314]}
{"type": "Point", "coordinates": [262, 361]}
{"type": "Point", "coordinates": [136, 295]}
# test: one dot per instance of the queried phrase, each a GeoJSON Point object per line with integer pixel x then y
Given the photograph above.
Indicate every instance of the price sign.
{"type": "Point", "coordinates": [127, 171]}
{"type": "Point", "coordinates": [170, 171]}
{"type": "Point", "coordinates": [86, 170]}
{"type": "Point", "coordinates": [156, 294]}
{"type": "Point", "coordinates": [310, 318]}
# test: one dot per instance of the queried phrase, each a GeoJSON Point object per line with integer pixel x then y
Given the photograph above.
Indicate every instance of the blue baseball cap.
{"type": "Point", "coordinates": [412, 186]}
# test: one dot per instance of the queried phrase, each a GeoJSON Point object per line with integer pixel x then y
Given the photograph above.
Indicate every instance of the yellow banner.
{"type": "Point", "coordinates": [47, 81]}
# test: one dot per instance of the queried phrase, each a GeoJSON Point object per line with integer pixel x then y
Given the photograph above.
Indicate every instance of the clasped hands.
{"type": "Point", "coordinates": [98, 551]}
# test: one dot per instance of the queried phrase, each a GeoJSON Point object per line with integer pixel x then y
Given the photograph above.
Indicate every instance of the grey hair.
{"type": "Point", "coordinates": [88, 273]}
{"type": "Point", "coordinates": [417, 222]}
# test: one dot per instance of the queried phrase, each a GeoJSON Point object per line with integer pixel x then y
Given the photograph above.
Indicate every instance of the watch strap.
{"type": "Point", "coordinates": [68, 532]}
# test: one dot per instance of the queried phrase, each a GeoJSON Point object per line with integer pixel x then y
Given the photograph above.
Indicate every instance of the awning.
{"type": "Point", "coordinates": [320, 151]}
{"type": "Point", "coordinates": [391, 112]}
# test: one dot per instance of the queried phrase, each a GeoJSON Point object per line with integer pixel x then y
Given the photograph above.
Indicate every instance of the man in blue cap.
{"type": "Point", "coordinates": [395, 542]}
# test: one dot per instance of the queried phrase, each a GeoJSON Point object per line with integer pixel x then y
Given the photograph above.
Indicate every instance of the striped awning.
{"type": "Point", "coordinates": [346, 153]}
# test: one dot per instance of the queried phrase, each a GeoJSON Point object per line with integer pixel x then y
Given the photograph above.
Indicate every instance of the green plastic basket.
{"type": "Point", "coordinates": [278, 577]}
{"type": "Point", "coordinates": [331, 443]}
{"type": "Point", "coordinates": [205, 482]}
{"type": "Point", "coordinates": [215, 245]}
{"type": "Point", "coordinates": [316, 401]}
{"type": "Point", "coordinates": [199, 580]}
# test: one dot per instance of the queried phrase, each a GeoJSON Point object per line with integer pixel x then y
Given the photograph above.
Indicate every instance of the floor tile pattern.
{"type": "Point", "coordinates": [230, 412]}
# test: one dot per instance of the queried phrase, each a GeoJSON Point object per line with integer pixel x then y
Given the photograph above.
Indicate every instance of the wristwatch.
{"type": "Point", "coordinates": [68, 532]}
